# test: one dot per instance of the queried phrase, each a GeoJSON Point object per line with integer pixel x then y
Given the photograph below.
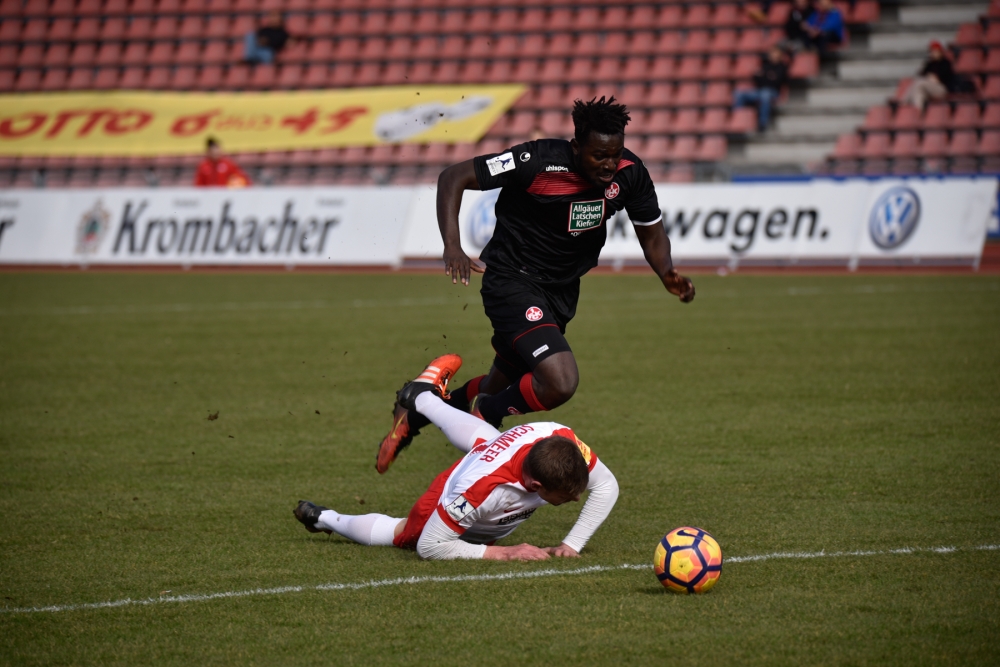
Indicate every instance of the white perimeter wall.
{"type": "Point", "coordinates": [820, 221]}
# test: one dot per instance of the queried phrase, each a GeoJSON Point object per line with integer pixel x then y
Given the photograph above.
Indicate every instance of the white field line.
{"type": "Point", "coordinates": [551, 572]}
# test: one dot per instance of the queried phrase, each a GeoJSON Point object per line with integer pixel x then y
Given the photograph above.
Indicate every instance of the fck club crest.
{"type": "Point", "coordinates": [533, 314]}
{"type": "Point", "coordinates": [612, 191]}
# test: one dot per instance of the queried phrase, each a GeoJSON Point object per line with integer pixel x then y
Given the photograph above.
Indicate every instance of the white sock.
{"type": "Point", "coordinates": [462, 429]}
{"type": "Point", "coordinates": [375, 530]}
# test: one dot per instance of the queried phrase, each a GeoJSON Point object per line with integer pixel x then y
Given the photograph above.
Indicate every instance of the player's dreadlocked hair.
{"type": "Point", "coordinates": [602, 116]}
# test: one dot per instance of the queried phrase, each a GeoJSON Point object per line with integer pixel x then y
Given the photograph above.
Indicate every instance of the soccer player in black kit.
{"type": "Point", "coordinates": [556, 197]}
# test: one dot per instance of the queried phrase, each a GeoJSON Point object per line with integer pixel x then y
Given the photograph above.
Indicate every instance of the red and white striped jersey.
{"type": "Point", "coordinates": [484, 498]}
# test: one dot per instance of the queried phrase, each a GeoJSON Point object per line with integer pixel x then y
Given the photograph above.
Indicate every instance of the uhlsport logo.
{"type": "Point", "coordinates": [533, 314]}
{"type": "Point", "coordinates": [92, 228]}
{"type": "Point", "coordinates": [894, 217]}
{"type": "Point", "coordinates": [483, 218]}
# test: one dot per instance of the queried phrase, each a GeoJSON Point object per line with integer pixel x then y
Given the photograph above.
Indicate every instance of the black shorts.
{"type": "Point", "coordinates": [529, 320]}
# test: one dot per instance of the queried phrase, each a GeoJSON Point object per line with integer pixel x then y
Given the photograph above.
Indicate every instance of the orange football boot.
{"type": "Point", "coordinates": [434, 378]}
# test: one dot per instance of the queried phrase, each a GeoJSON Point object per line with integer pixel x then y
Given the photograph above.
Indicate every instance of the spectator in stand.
{"type": "Point", "coordinates": [796, 36]}
{"type": "Point", "coordinates": [218, 170]}
{"type": "Point", "coordinates": [263, 44]}
{"type": "Point", "coordinates": [825, 27]}
{"type": "Point", "coordinates": [936, 80]}
{"type": "Point", "coordinates": [768, 82]}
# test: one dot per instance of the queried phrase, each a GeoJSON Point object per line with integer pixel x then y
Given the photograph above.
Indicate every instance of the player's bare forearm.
{"type": "Point", "coordinates": [656, 248]}
{"type": "Point", "coordinates": [519, 552]}
{"type": "Point", "coordinates": [452, 183]}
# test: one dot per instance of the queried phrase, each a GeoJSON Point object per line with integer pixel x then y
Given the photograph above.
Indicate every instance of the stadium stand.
{"type": "Point", "coordinates": [956, 135]}
{"type": "Point", "coordinates": [675, 63]}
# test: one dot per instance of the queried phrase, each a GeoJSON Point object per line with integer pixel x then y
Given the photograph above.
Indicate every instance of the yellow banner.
{"type": "Point", "coordinates": [141, 123]}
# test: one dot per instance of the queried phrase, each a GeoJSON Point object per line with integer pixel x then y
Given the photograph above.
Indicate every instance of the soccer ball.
{"type": "Point", "coordinates": [688, 560]}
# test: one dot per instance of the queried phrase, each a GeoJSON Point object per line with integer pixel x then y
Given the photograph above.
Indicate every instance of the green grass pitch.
{"type": "Point", "coordinates": [782, 414]}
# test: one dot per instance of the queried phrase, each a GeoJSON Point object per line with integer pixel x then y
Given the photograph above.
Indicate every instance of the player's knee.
{"type": "Point", "coordinates": [557, 384]}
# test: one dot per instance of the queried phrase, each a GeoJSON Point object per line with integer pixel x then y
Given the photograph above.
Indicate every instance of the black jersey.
{"type": "Point", "coordinates": [550, 219]}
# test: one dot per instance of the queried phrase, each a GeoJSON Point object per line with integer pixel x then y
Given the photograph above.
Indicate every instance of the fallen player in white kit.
{"type": "Point", "coordinates": [484, 496]}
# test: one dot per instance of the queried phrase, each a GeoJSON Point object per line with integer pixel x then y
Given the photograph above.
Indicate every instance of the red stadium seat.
{"type": "Point", "coordinates": [237, 77]}
{"type": "Point", "coordinates": [106, 78]}
{"type": "Point", "coordinates": [743, 121]}
{"type": "Point", "coordinates": [62, 8]}
{"type": "Point", "coordinates": [188, 53]}
{"type": "Point", "coordinates": [992, 36]}
{"type": "Point", "coordinates": [109, 54]}
{"type": "Point", "coordinates": [191, 27]}
{"type": "Point", "coordinates": [991, 91]}
{"type": "Point", "coordinates": [133, 78]}
{"type": "Point", "coordinates": [556, 124]}
{"type": "Point", "coordinates": [54, 79]}
{"type": "Point", "coordinates": [989, 145]}
{"type": "Point", "coordinates": [113, 28]}
{"type": "Point", "coordinates": [937, 116]}
{"type": "Point", "coordinates": [906, 118]}
{"type": "Point", "coordinates": [219, 52]}
{"type": "Point", "coordinates": [562, 44]}
{"type": "Point", "coordinates": [659, 121]}
{"type": "Point", "coordinates": [34, 55]}
{"type": "Point", "coordinates": [370, 74]}
{"type": "Point", "coordinates": [184, 78]}
{"type": "Point", "coordinates": [686, 121]}
{"type": "Point", "coordinates": [865, 11]}
{"type": "Point", "coordinates": [697, 41]}
{"type": "Point", "coordinates": [158, 78]}
{"type": "Point", "coordinates": [680, 173]}
{"type": "Point", "coordinates": [373, 48]}
{"type": "Point", "coordinates": [60, 30]}
{"type": "Point", "coordinates": [963, 143]}
{"type": "Point", "coordinates": [878, 118]}
{"type": "Point", "coordinates": [718, 93]}
{"type": "Point", "coordinates": [715, 120]}
{"type": "Point", "coordinates": [712, 149]}
{"type": "Point", "coordinates": [724, 41]}
{"type": "Point", "coordinates": [804, 66]}
{"type": "Point", "coordinates": [615, 18]}
{"type": "Point", "coordinates": [84, 54]}
{"type": "Point", "coordinates": [28, 80]}
{"type": "Point", "coordinates": [316, 75]}
{"type": "Point", "coordinates": [876, 145]}
{"type": "Point", "coordinates": [646, 44]}
{"type": "Point", "coordinates": [162, 53]}
{"type": "Point", "coordinates": [966, 115]}
{"type": "Point", "coordinates": [969, 34]}
{"type": "Point", "coordinates": [905, 145]}
{"type": "Point", "coordinates": [35, 30]}
{"type": "Point", "coordinates": [139, 29]}
{"type": "Point", "coordinates": [991, 116]}
{"type": "Point", "coordinates": [746, 66]}
{"type": "Point", "coordinates": [992, 62]}
{"type": "Point", "coordinates": [970, 61]}
{"type": "Point", "coordinates": [935, 144]}
{"type": "Point", "coordinates": [585, 69]}
{"type": "Point", "coordinates": [588, 18]}
{"type": "Point", "coordinates": [263, 77]}
{"type": "Point", "coordinates": [10, 30]}
{"type": "Point", "coordinates": [58, 55]}
{"type": "Point", "coordinates": [658, 95]}
{"type": "Point", "coordinates": [81, 78]}
{"type": "Point", "coordinates": [657, 149]}
{"type": "Point", "coordinates": [346, 49]}
{"type": "Point", "coordinates": [719, 67]}
{"type": "Point", "coordinates": [164, 27]}
{"type": "Point", "coordinates": [732, 14]}
{"type": "Point", "coordinates": [684, 148]}
{"type": "Point", "coordinates": [553, 70]}
{"type": "Point", "coordinates": [848, 146]}
{"type": "Point", "coordinates": [663, 67]}
{"type": "Point", "coordinates": [688, 94]}
{"type": "Point", "coordinates": [698, 15]}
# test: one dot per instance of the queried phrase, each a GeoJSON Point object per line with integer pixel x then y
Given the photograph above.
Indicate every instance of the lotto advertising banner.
{"type": "Point", "coordinates": [150, 124]}
{"type": "Point", "coordinates": [208, 226]}
{"type": "Point", "coordinates": [888, 221]}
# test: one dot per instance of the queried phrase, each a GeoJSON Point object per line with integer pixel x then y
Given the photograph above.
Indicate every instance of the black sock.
{"type": "Point", "coordinates": [507, 402]}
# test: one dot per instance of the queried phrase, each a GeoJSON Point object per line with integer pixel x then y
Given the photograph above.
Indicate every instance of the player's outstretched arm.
{"type": "Point", "coordinates": [519, 552]}
{"type": "Point", "coordinates": [603, 488]}
{"type": "Point", "coordinates": [452, 183]}
{"type": "Point", "coordinates": [656, 247]}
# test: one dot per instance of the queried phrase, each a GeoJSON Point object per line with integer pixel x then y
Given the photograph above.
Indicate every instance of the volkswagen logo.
{"type": "Point", "coordinates": [894, 217]}
{"type": "Point", "coordinates": [482, 219]}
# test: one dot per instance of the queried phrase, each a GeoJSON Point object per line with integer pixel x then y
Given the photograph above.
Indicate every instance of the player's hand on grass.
{"type": "Point", "coordinates": [679, 286]}
{"type": "Point", "coordinates": [562, 551]}
{"type": "Point", "coordinates": [520, 552]}
{"type": "Point", "coordinates": [457, 265]}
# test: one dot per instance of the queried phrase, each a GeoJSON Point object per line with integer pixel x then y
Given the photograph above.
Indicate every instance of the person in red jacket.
{"type": "Point", "coordinates": [218, 170]}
